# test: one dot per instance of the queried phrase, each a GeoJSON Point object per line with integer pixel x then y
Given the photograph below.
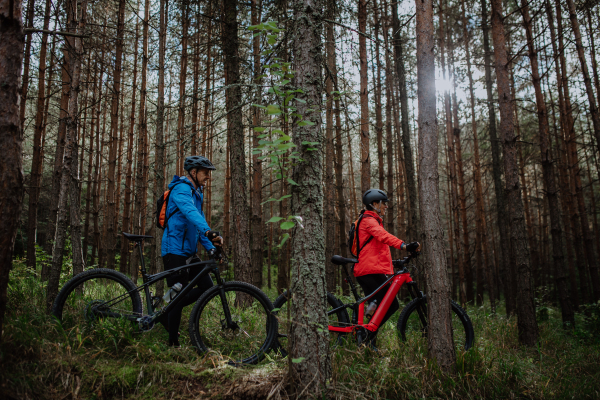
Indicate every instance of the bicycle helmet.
{"type": "Point", "coordinates": [192, 162]}
{"type": "Point", "coordinates": [373, 195]}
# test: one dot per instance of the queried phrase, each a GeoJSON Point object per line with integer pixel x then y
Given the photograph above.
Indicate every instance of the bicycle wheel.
{"type": "Point", "coordinates": [413, 326]}
{"type": "Point", "coordinates": [253, 327]}
{"type": "Point", "coordinates": [339, 318]}
{"type": "Point", "coordinates": [94, 295]}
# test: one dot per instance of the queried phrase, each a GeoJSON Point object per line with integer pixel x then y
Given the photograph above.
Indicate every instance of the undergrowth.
{"type": "Point", "coordinates": [39, 360]}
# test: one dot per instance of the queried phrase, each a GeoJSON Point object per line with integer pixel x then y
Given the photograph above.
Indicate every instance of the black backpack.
{"type": "Point", "coordinates": [353, 240]}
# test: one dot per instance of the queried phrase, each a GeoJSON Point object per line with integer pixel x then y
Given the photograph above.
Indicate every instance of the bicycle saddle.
{"type": "Point", "coordinates": [136, 238]}
{"type": "Point", "coordinates": [339, 260]}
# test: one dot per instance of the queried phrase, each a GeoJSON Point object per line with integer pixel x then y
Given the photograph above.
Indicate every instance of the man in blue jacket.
{"type": "Point", "coordinates": [185, 227]}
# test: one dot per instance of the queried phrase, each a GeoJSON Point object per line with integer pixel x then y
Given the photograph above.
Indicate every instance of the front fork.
{"type": "Point", "coordinates": [414, 291]}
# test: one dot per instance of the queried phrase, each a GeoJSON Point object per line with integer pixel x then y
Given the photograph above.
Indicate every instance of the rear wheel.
{"type": "Point", "coordinates": [339, 318]}
{"type": "Point", "coordinates": [412, 324]}
{"type": "Point", "coordinates": [251, 331]}
{"type": "Point", "coordinates": [94, 295]}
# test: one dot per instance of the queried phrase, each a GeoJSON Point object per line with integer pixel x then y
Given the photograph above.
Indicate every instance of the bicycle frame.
{"type": "Point", "coordinates": [396, 281]}
{"type": "Point", "coordinates": [209, 266]}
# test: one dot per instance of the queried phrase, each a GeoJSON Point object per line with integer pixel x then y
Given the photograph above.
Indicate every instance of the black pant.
{"type": "Point", "coordinates": [371, 282]}
{"type": "Point", "coordinates": [184, 276]}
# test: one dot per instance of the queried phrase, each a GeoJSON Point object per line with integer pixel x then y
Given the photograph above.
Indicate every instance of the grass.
{"type": "Point", "coordinates": [42, 361]}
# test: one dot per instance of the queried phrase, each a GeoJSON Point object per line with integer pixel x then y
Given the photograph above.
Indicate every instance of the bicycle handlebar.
{"type": "Point", "coordinates": [401, 262]}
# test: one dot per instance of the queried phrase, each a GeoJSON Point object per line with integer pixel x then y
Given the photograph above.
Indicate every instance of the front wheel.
{"type": "Point", "coordinates": [235, 321]}
{"type": "Point", "coordinates": [339, 318]}
{"type": "Point", "coordinates": [412, 324]}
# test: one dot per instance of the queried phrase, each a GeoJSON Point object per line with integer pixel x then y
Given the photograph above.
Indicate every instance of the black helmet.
{"type": "Point", "coordinates": [372, 195]}
{"type": "Point", "coordinates": [192, 162]}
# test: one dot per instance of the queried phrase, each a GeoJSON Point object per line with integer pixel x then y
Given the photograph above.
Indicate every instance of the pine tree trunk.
{"type": "Point", "coordinates": [185, 9]}
{"type": "Point", "coordinates": [484, 266]}
{"type": "Point", "coordinates": [506, 274]}
{"type": "Point", "coordinates": [26, 64]}
{"type": "Point", "coordinates": [594, 114]}
{"type": "Point", "coordinates": [235, 130]}
{"type": "Point", "coordinates": [111, 206]}
{"type": "Point", "coordinates": [389, 141]}
{"type": "Point", "coordinates": [159, 145]}
{"type": "Point", "coordinates": [440, 344]}
{"type": "Point", "coordinates": [257, 222]}
{"type": "Point", "coordinates": [411, 182]}
{"type": "Point", "coordinates": [88, 193]}
{"type": "Point", "coordinates": [365, 161]}
{"type": "Point", "coordinates": [550, 188]}
{"type": "Point", "coordinates": [12, 41]}
{"type": "Point", "coordinates": [37, 161]}
{"type": "Point", "coordinates": [308, 285]}
{"type": "Point", "coordinates": [526, 320]}
{"type": "Point", "coordinates": [123, 265]}
{"type": "Point", "coordinates": [74, 47]}
{"type": "Point", "coordinates": [329, 212]}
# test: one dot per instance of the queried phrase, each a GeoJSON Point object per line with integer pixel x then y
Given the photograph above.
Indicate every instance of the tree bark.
{"type": "Point", "coordinates": [123, 264]}
{"type": "Point", "coordinates": [594, 114]}
{"type": "Point", "coordinates": [329, 212]}
{"type": "Point", "coordinates": [484, 265]}
{"type": "Point", "coordinates": [526, 319]}
{"type": "Point", "coordinates": [159, 145]}
{"type": "Point", "coordinates": [37, 161]}
{"type": "Point", "coordinates": [409, 170]}
{"type": "Point", "coordinates": [308, 335]}
{"type": "Point", "coordinates": [26, 64]}
{"type": "Point", "coordinates": [365, 161]}
{"type": "Point", "coordinates": [257, 221]}
{"type": "Point", "coordinates": [440, 344]}
{"type": "Point", "coordinates": [550, 188]}
{"type": "Point", "coordinates": [12, 41]}
{"type": "Point", "coordinates": [506, 274]}
{"type": "Point", "coordinates": [235, 131]}
{"type": "Point", "coordinates": [185, 9]}
{"type": "Point", "coordinates": [74, 47]}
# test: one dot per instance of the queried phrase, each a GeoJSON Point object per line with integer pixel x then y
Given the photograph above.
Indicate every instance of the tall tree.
{"type": "Point", "coordinates": [309, 377]}
{"type": "Point", "coordinates": [507, 276]}
{"type": "Point", "coordinates": [36, 162]}
{"type": "Point", "coordinates": [329, 211]}
{"type": "Point", "coordinates": [111, 206]}
{"type": "Point", "coordinates": [159, 146]}
{"type": "Point", "coordinates": [12, 41]}
{"type": "Point", "coordinates": [526, 320]}
{"type": "Point", "coordinates": [74, 46]}
{"type": "Point", "coordinates": [257, 224]}
{"type": "Point", "coordinates": [411, 180]}
{"type": "Point", "coordinates": [440, 343]}
{"type": "Point", "coordinates": [235, 132]}
{"type": "Point", "coordinates": [365, 160]}
{"type": "Point", "coordinates": [550, 188]}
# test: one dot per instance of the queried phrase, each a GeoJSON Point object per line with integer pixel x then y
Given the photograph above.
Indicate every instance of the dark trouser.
{"type": "Point", "coordinates": [371, 282]}
{"type": "Point", "coordinates": [184, 277]}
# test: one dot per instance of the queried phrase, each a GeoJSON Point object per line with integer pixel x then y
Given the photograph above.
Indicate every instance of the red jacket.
{"type": "Point", "coordinates": [375, 257]}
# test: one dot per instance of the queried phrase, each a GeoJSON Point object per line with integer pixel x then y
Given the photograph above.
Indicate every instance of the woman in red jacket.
{"type": "Point", "coordinates": [375, 258]}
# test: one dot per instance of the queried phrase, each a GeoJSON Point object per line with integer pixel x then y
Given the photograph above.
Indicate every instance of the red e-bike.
{"type": "Point", "coordinates": [412, 320]}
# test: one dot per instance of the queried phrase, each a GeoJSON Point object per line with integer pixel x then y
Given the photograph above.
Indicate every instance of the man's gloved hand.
{"type": "Point", "coordinates": [214, 254]}
{"type": "Point", "coordinates": [413, 247]}
{"type": "Point", "coordinates": [215, 237]}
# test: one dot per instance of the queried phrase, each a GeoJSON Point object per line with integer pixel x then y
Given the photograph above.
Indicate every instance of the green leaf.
{"type": "Point", "coordinates": [298, 360]}
{"type": "Point", "coordinates": [291, 182]}
{"type": "Point", "coordinates": [273, 109]}
{"type": "Point", "coordinates": [256, 34]}
{"type": "Point", "coordinates": [259, 129]}
{"type": "Point", "coordinates": [287, 225]}
{"type": "Point", "coordinates": [278, 175]}
{"type": "Point", "coordinates": [285, 82]}
{"type": "Point", "coordinates": [274, 219]}
{"type": "Point", "coordinates": [304, 123]}
{"type": "Point", "coordinates": [284, 239]}
{"type": "Point", "coordinates": [310, 143]}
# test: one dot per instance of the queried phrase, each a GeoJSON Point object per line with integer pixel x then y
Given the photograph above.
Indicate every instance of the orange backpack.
{"type": "Point", "coordinates": [161, 209]}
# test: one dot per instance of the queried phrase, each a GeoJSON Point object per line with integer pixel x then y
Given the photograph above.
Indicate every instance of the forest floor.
{"type": "Point", "coordinates": [40, 361]}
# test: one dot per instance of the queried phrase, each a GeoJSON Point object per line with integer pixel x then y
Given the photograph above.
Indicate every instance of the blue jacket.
{"type": "Point", "coordinates": [187, 224]}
